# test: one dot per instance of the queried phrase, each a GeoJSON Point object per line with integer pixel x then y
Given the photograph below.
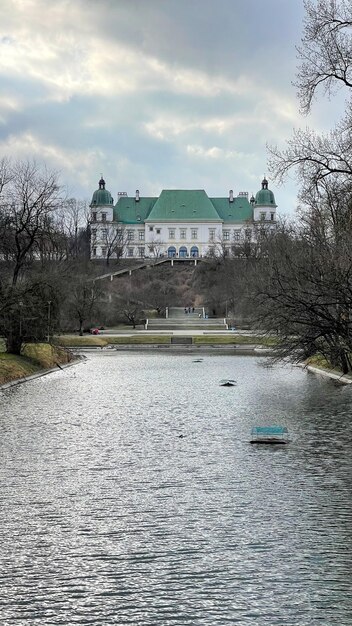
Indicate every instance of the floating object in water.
{"type": "Point", "coordinates": [269, 434]}
{"type": "Point", "coordinates": [197, 361]}
{"type": "Point", "coordinates": [228, 382]}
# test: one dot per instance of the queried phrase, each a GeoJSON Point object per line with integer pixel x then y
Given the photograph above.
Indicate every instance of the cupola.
{"type": "Point", "coordinates": [101, 197]}
{"type": "Point", "coordinates": [265, 197]}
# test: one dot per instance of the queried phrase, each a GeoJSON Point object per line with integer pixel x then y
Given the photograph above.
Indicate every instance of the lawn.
{"type": "Point", "coordinates": [35, 357]}
{"type": "Point", "coordinates": [102, 341]}
{"type": "Point", "coordinates": [233, 340]}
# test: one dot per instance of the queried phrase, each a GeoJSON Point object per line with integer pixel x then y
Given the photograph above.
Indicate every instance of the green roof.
{"type": "Point", "coordinates": [265, 197]}
{"type": "Point", "coordinates": [129, 211]}
{"type": "Point", "coordinates": [239, 210]}
{"type": "Point", "coordinates": [183, 205]}
{"type": "Point", "coordinates": [101, 197]}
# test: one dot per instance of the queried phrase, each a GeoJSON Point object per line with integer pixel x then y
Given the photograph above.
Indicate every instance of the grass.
{"type": "Point", "coordinates": [319, 361]}
{"type": "Point", "coordinates": [96, 341]}
{"type": "Point", "coordinates": [233, 340]}
{"type": "Point", "coordinates": [104, 340]}
{"type": "Point", "coordinates": [76, 341]}
{"type": "Point", "coordinates": [13, 367]}
{"type": "Point", "coordinates": [34, 358]}
{"type": "Point", "coordinates": [140, 339]}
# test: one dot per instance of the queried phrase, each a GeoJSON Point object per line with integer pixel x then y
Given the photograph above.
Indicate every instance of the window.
{"type": "Point", "coordinates": [183, 233]}
{"type": "Point", "coordinates": [130, 235]}
{"type": "Point", "coordinates": [236, 235]}
{"type": "Point", "coordinates": [94, 250]}
{"type": "Point", "coordinates": [141, 235]}
{"type": "Point", "coordinates": [103, 251]}
{"type": "Point", "coordinates": [211, 234]}
{"type": "Point", "coordinates": [151, 228]}
{"type": "Point", "coordinates": [94, 216]}
{"type": "Point", "coordinates": [158, 231]}
{"type": "Point", "coordinates": [103, 217]}
{"type": "Point", "coordinates": [104, 232]}
{"type": "Point", "coordinates": [194, 233]}
{"type": "Point", "coordinates": [141, 251]}
{"type": "Point", "coordinates": [171, 233]}
{"type": "Point", "coordinates": [182, 252]}
{"type": "Point", "coordinates": [248, 234]}
{"type": "Point", "coordinates": [129, 251]}
{"type": "Point", "coordinates": [194, 251]}
{"type": "Point", "coordinates": [171, 253]}
{"type": "Point", "coordinates": [226, 235]}
{"type": "Point", "coordinates": [262, 217]}
{"type": "Point", "coordinates": [272, 216]}
{"type": "Point", "coordinates": [94, 234]}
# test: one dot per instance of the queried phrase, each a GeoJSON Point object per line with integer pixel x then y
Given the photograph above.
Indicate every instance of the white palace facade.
{"type": "Point", "coordinates": [178, 223]}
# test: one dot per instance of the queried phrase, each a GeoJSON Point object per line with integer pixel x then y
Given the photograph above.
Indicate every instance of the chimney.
{"type": "Point", "coordinates": [137, 195]}
{"type": "Point", "coordinates": [231, 195]}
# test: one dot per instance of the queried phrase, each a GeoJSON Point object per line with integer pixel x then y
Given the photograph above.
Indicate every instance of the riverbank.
{"type": "Point", "coordinates": [43, 358]}
{"type": "Point", "coordinates": [345, 379]}
{"type": "Point", "coordinates": [36, 359]}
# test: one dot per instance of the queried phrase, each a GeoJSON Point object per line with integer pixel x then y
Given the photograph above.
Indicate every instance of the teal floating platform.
{"type": "Point", "coordinates": [269, 434]}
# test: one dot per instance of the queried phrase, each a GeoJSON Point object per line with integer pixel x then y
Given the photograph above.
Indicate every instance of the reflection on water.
{"type": "Point", "coordinates": [109, 516]}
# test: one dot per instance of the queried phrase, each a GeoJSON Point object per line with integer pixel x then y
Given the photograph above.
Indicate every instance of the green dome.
{"type": "Point", "coordinates": [101, 197]}
{"type": "Point", "coordinates": [265, 197]}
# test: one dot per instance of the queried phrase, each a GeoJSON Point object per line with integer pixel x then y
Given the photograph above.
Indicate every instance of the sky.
{"type": "Point", "coordinates": [153, 94]}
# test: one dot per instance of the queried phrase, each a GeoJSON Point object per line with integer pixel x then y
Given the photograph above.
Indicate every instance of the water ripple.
{"type": "Point", "coordinates": [108, 516]}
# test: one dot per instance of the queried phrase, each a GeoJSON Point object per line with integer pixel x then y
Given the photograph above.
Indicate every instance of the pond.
{"type": "Point", "coordinates": [130, 495]}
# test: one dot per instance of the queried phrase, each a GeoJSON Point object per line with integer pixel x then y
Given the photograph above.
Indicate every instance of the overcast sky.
{"type": "Point", "coordinates": [154, 94]}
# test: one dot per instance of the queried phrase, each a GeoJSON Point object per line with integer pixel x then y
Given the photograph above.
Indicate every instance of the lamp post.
{"type": "Point", "coordinates": [49, 305]}
{"type": "Point", "coordinates": [20, 304]}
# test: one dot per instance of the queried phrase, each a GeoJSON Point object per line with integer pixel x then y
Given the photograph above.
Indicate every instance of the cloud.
{"type": "Point", "coordinates": [152, 93]}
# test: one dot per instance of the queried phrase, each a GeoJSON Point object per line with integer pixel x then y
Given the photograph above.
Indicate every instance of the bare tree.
{"type": "Point", "coordinates": [114, 240]}
{"type": "Point", "coordinates": [326, 63]}
{"type": "Point", "coordinates": [73, 222]}
{"type": "Point", "coordinates": [155, 247]}
{"type": "Point", "coordinates": [325, 50]}
{"type": "Point", "coordinates": [303, 290]}
{"type": "Point", "coordinates": [29, 195]}
{"type": "Point", "coordinates": [28, 312]}
{"type": "Point", "coordinates": [127, 296]}
{"type": "Point", "coordinates": [83, 301]}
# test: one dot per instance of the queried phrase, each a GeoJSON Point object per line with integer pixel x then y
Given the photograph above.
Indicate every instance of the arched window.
{"type": "Point", "coordinates": [182, 252]}
{"type": "Point", "coordinates": [194, 251]}
{"type": "Point", "coordinates": [171, 252]}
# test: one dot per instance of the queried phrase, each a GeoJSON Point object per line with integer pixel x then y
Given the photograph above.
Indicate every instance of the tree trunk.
{"type": "Point", "coordinates": [13, 344]}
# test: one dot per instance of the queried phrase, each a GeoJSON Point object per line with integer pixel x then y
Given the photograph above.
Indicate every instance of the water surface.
{"type": "Point", "coordinates": [130, 495]}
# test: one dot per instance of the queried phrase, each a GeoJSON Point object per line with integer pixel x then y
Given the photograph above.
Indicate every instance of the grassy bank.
{"type": "Point", "coordinates": [35, 357]}
{"type": "Point", "coordinates": [233, 340]}
{"type": "Point", "coordinates": [104, 340]}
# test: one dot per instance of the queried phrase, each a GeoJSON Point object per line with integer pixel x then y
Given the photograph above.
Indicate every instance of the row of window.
{"type": "Point", "coordinates": [130, 251]}
{"type": "Point", "coordinates": [226, 234]}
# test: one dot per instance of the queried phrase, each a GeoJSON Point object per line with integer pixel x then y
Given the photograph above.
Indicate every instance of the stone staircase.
{"type": "Point", "coordinates": [178, 319]}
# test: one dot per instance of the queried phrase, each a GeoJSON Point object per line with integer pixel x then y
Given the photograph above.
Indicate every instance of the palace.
{"type": "Point", "coordinates": [178, 223]}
